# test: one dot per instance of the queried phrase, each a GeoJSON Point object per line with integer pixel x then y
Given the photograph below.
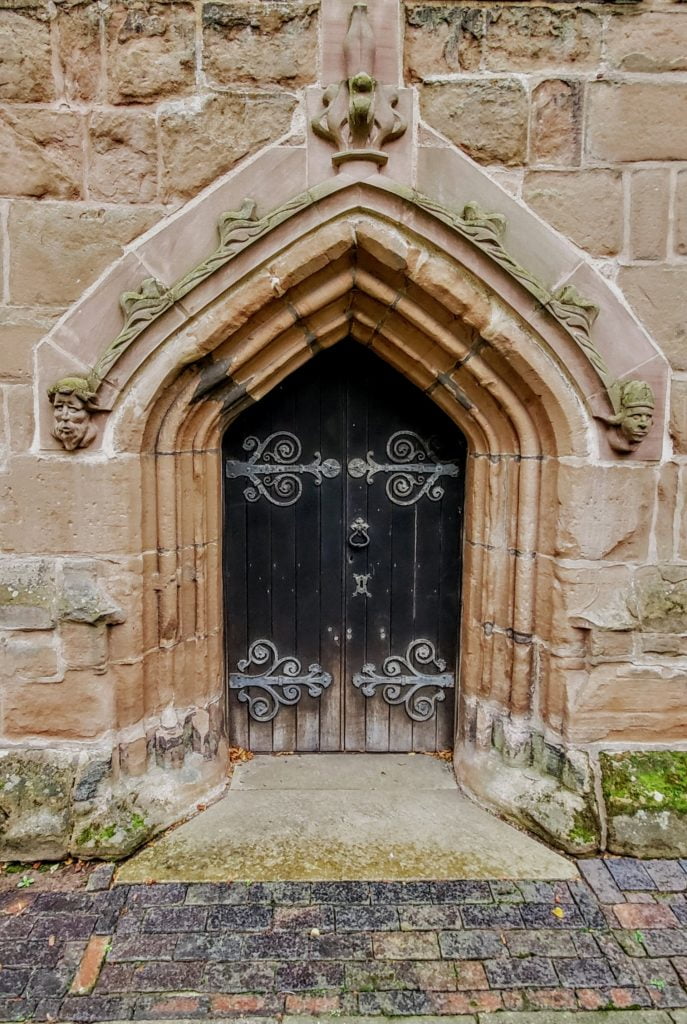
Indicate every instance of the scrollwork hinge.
{"type": "Point", "coordinates": [400, 680]}
{"type": "Point", "coordinates": [280, 683]}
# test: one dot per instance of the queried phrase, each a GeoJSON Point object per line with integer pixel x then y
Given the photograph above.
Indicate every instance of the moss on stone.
{"type": "Point", "coordinates": [647, 780]}
{"type": "Point", "coordinates": [585, 830]}
{"type": "Point", "coordinates": [96, 835]}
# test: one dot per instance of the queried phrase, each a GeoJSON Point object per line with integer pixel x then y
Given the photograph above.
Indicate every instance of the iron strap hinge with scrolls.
{"type": "Point", "coordinates": [274, 470]}
{"type": "Point", "coordinates": [402, 682]}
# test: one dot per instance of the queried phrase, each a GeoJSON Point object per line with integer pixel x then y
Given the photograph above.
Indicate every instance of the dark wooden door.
{"type": "Point", "coordinates": [342, 546]}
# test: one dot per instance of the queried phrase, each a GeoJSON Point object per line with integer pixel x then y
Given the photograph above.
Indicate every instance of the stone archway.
{"type": "Point", "coordinates": [453, 313]}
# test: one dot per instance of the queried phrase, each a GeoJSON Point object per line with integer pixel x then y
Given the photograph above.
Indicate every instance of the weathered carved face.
{"type": "Point", "coordinates": [72, 421]}
{"type": "Point", "coordinates": [635, 423]}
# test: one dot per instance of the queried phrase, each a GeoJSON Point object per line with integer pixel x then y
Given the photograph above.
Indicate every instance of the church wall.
{"type": "Point", "coordinates": [112, 117]}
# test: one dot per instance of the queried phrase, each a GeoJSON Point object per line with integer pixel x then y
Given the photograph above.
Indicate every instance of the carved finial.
{"type": "Point", "coordinates": [359, 115]}
{"type": "Point", "coordinates": [359, 44]}
{"type": "Point", "coordinates": [635, 416]}
{"type": "Point", "coordinates": [73, 400]}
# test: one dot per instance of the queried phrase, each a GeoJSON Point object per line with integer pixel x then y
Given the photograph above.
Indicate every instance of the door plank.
{"type": "Point", "coordinates": [282, 540]}
{"type": "Point", "coordinates": [325, 537]}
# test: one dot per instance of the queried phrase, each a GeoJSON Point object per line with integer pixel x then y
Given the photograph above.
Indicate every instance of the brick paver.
{"type": "Point", "coordinates": [464, 952]}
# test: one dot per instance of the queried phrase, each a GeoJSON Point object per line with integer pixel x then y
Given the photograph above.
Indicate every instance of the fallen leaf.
{"type": "Point", "coordinates": [558, 912]}
{"type": "Point", "coordinates": [51, 940]}
{"type": "Point", "coordinates": [238, 754]}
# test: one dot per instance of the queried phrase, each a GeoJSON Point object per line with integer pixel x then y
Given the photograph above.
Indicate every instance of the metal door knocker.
{"type": "Point", "coordinates": [359, 537]}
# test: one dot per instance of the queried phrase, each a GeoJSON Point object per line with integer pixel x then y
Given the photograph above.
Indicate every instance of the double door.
{"type": "Point", "coordinates": [342, 542]}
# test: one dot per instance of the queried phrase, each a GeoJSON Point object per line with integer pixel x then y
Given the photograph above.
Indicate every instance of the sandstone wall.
{"type": "Point", "coordinates": [112, 116]}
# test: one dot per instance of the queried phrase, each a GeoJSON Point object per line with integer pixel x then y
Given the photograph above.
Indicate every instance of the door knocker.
{"type": "Point", "coordinates": [359, 537]}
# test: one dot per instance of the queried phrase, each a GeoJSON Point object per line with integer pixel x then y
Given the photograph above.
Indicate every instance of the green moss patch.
{"type": "Point", "coordinates": [648, 780]}
{"type": "Point", "coordinates": [585, 831]}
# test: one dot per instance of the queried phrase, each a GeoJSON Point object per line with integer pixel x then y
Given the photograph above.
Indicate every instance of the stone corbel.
{"type": "Point", "coordinates": [358, 115]}
{"type": "Point", "coordinates": [74, 400]}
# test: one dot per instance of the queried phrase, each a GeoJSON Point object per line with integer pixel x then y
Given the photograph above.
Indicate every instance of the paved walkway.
{"type": "Point", "coordinates": [343, 816]}
{"type": "Point", "coordinates": [461, 950]}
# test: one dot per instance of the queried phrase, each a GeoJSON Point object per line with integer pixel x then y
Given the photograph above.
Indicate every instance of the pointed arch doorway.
{"type": "Point", "coordinates": [342, 553]}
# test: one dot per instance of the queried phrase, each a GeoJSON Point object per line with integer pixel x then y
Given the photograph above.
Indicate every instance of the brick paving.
{"type": "Point", "coordinates": [460, 950]}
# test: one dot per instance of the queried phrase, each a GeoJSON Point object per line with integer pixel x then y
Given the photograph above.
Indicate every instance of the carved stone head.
{"type": "Point", "coordinates": [73, 400]}
{"type": "Point", "coordinates": [635, 417]}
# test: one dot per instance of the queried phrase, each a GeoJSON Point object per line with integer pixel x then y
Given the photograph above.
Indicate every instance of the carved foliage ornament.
{"type": "Point", "coordinates": [358, 115]}
{"type": "Point", "coordinates": [74, 399]}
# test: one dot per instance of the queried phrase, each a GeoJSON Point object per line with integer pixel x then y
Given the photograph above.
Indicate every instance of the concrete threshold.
{"type": "Point", "coordinates": [344, 817]}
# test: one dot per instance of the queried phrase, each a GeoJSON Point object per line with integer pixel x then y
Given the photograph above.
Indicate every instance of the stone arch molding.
{"type": "Point", "coordinates": [615, 372]}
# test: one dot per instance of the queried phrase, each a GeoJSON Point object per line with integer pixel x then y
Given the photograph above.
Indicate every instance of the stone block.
{"type": "Point", "coordinates": [91, 771]}
{"type": "Point", "coordinates": [41, 153]}
{"type": "Point", "coordinates": [586, 206]}
{"type": "Point", "coordinates": [555, 130]}
{"type": "Point", "coordinates": [666, 512]}
{"type": "Point", "coordinates": [205, 140]}
{"type": "Point", "coordinates": [30, 658]}
{"type": "Point", "coordinates": [441, 39]}
{"type": "Point", "coordinates": [84, 646]}
{"type": "Point", "coordinates": [123, 157]}
{"type": "Point", "coordinates": [58, 249]}
{"type": "Point", "coordinates": [78, 708]}
{"type": "Point", "coordinates": [25, 58]}
{"type": "Point", "coordinates": [605, 512]}
{"type": "Point", "coordinates": [17, 340]}
{"type": "Point", "coordinates": [28, 592]}
{"type": "Point", "coordinates": [649, 212]}
{"type": "Point", "coordinates": [35, 793]}
{"type": "Point", "coordinates": [75, 517]}
{"type": "Point", "coordinates": [79, 51]}
{"type": "Point", "coordinates": [19, 407]}
{"type": "Point", "coordinates": [678, 416]}
{"type": "Point", "coordinates": [629, 703]}
{"type": "Point", "coordinates": [656, 294]}
{"type": "Point", "coordinates": [630, 121]}
{"type": "Point", "coordinates": [257, 45]}
{"type": "Point", "coordinates": [521, 38]}
{"type": "Point", "coordinates": [681, 214]}
{"type": "Point", "coordinates": [150, 52]}
{"type": "Point", "coordinates": [112, 828]}
{"type": "Point", "coordinates": [644, 793]}
{"type": "Point", "coordinates": [486, 118]}
{"type": "Point", "coordinates": [82, 599]}
{"type": "Point", "coordinates": [654, 42]}
{"type": "Point", "coordinates": [661, 595]}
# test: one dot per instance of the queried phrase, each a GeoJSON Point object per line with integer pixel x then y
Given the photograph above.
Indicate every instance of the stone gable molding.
{"type": "Point", "coordinates": [75, 398]}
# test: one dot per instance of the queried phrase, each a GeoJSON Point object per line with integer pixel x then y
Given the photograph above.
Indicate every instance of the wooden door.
{"type": "Point", "coordinates": [342, 542]}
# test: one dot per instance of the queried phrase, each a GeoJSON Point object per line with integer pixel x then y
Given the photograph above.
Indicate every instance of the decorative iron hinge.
{"type": "Point", "coordinates": [274, 470]}
{"type": "Point", "coordinates": [413, 466]}
{"type": "Point", "coordinates": [280, 683]}
{"type": "Point", "coordinates": [402, 682]}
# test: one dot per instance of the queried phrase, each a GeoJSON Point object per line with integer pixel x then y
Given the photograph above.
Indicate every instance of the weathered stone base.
{"type": "Point", "coordinates": [582, 801]}
{"type": "Point", "coordinates": [108, 799]}
{"type": "Point", "coordinates": [527, 796]}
